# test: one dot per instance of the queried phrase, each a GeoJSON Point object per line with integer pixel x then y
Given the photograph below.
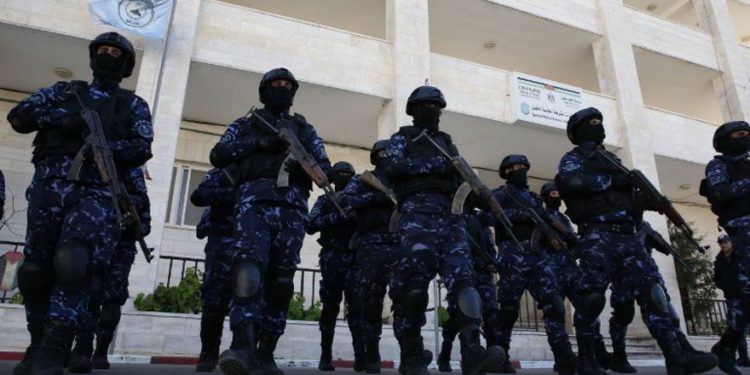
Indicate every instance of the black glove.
{"type": "Point", "coordinates": [293, 167]}
{"type": "Point", "coordinates": [621, 182]}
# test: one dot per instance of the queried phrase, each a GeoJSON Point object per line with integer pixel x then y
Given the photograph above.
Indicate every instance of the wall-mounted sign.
{"type": "Point", "coordinates": [542, 101]}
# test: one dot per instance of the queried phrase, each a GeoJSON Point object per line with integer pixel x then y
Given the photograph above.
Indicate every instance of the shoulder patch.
{"type": "Point", "coordinates": [146, 130]}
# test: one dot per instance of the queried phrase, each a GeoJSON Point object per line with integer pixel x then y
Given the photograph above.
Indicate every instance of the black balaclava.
{"type": "Point", "coordinates": [553, 202]}
{"type": "Point", "coordinates": [426, 117]}
{"type": "Point", "coordinates": [340, 180]}
{"type": "Point", "coordinates": [590, 133]}
{"type": "Point", "coordinates": [518, 178]}
{"type": "Point", "coordinates": [279, 99]}
{"type": "Point", "coordinates": [738, 146]}
{"type": "Point", "coordinates": [108, 67]}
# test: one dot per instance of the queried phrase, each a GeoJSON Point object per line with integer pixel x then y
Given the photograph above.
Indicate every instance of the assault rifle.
{"type": "Point", "coordinates": [96, 145]}
{"type": "Point", "coordinates": [654, 199]}
{"type": "Point", "coordinates": [661, 245]}
{"type": "Point", "coordinates": [476, 184]}
{"type": "Point", "coordinates": [307, 162]}
{"type": "Point", "coordinates": [370, 179]}
{"type": "Point", "coordinates": [477, 249]}
{"type": "Point", "coordinates": [550, 227]}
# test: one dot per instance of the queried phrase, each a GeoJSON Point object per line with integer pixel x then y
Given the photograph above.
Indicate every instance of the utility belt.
{"type": "Point", "coordinates": [619, 228]}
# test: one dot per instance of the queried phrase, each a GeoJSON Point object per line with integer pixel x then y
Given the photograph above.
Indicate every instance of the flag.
{"type": "Point", "coordinates": [149, 18]}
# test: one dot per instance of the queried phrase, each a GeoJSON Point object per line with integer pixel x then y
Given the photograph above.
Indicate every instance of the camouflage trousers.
{"type": "Point", "coordinates": [375, 261]}
{"type": "Point", "coordinates": [62, 212]}
{"type": "Point", "coordinates": [488, 293]}
{"type": "Point", "coordinates": [430, 244]}
{"type": "Point", "coordinates": [535, 273]}
{"type": "Point", "coordinates": [269, 235]}
{"type": "Point", "coordinates": [339, 277]}
{"type": "Point", "coordinates": [216, 288]}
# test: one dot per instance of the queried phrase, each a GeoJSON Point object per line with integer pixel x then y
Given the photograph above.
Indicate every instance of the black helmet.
{"type": "Point", "coordinates": [115, 40]}
{"type": "Point", "coordinates": [547, 188]}
{"type": "Point", "coordinates": [578, 119]}
{"type": "Point", "coordinates": [511, 160]}
{"type": "Point", "coordinates": [721, 136]}
{"type": "Point", "coordinates": [376, 148]}
{"type": "Point", "coordinates": [343, 167]}
{"type": "Point", "coordinates": [425, 94]}
{"type": "Point", "coordinates": [272, 75]}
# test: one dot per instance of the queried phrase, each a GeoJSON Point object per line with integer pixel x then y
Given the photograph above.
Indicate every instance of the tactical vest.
{"type": "Point", "coordinates": [419, 149]}
{"type": "Point", "coordinates": [268, 164]}
{"type": "Point", "coordinates": [55, 143]}
{"type": "Point", "coordinates": [522, 228]}
{"type": "Point", "coordinates": [336, 237]}
{"type": "Point", "coordinates": [222, 220]}
{"type": "Point", "coordinates": [374, 216]}
{"type": "Point", "coordinates": [584, 207]}
{"type": "Point", "coordinates": [726, 211]}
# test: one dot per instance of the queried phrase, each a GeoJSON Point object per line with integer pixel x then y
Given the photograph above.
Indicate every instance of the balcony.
{"type": "Point", "coordinates": [677, 11]}
{"type": "Point", "coordinates": [740, 11]}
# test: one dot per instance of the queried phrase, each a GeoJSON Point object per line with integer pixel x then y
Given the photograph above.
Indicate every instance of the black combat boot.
{"type": "Point", "coordinates": [80, 358]}
{"type": "Point", "coordinates": [601, 353]}
{"type": "Point", "coordinates": [241, 358]}
{"type": "Point", "coordinates": [326, 348]}
{"type": "Point", "coordinates": [586, 362]}
{"type": "Point", "coordinates": [743, 360]}
{"type": "Point", "coordinates": [502, 367]}
{"type": "Point", "coordinates": [724, 351]}
{"type": "Point", "coordinates": [426, 358]}
{"type": "Point", "coordinates": [679, 361]}
{"type": "Point", "coordinates": [212, 325]}
{"type": "Point", "coordinates": [359, 354]}
{"type": "Point", "coordinates": [413, 355]}
{"type": "Point", "coordinates": [620, 359]}
{"type": "Point", "coordinates": [565, 359]}
{"type": "Point", "coordinates": [473, 356]}
{"type": "Point", "coordinates": [24, 367]}
{"type": "Point", "coordinates": [53, 349]}
{"type": "Point", "coordinates": [99, 360]}
{"type": "Point", "coordinates": [444, 358]}
{"type": "Point", "coordinates": [685, 344]}
{"type": "Point", "coordinates": [372, 349]}
{"type": "Point", "coordinates": [266, 347]}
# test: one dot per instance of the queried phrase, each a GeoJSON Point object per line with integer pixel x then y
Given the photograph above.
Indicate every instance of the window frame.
{"type": "Point", "coordinates": [180, 194]}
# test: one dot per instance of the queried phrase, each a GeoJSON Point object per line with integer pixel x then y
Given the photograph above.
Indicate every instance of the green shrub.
{"type": "Point", "coordinates": [183, 298]}
{"type": "Point", "coordinates": [442, 315]}
{"type": "Point", "coordinates": [297, 309]}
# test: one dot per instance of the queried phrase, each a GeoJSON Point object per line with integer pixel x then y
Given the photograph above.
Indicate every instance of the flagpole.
{"type": "Point", "coordinates": [163, 58]}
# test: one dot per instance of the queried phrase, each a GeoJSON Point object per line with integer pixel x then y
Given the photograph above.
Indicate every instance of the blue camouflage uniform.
{"type": "Point", "coordinates": [269, 219]}
{"type": "Point", "coordinates": [216, 192]}
{"type": "Point", "coordinates": [432, 239]}
{"type": "Point", "coordinates": [610, 248]}
{"type": "Point", "coordinates": [64, 213]}
{"type": "Point", "coordinates": [526, 268]}
{"type": "Point", "coordinates": [338, 265]}
{"type": "Point", "coordinates": [377, 248]}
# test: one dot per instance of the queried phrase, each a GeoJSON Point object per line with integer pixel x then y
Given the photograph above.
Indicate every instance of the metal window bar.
{"type": "Point", "coordinates": [707, 323]}
{"type": "Point", "coordinates": [9, 247]}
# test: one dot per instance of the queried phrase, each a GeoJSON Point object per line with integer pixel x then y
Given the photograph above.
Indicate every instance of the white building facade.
{"type": "Point", "coordinates": [664, 73]}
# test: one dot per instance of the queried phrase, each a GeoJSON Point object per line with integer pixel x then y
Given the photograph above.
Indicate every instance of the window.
{"type": "Point", "coordinates": [185, 179]}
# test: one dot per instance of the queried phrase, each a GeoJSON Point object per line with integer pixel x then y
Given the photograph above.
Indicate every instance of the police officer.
{"type": "Point", "coordinates": [432, 239]}
{"type": "Point", "coordinates": [338, 266]}
{"type": "Point", "coordinates": [566, 268]}
{"type": "Point", "coordinates": [377, 249]}
{"type": "Point", "coordinates": [104, 311]}
{"type": "Point", "coordinates": [528, 266]}
{"type": "Point", "coordinates": [216, 192]}
{"type": "Point", "coordinates": [269, 222]}
{"type": "Point", "coordinates": [72, 230]}
{"type": "Point", "coordinates": [480, 240]}
{"type": "Point", "coordinates": [726, 187]}
{"type": "Point", "coordinates": [599, 198]}
{"type": "Point", "coordinates": [726, 278]}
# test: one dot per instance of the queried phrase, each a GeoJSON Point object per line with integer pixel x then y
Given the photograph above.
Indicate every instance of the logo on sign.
{"type": "Point", "coordinates": [136, 13]}
{"type": "Point", "coordinates": [525, 108]}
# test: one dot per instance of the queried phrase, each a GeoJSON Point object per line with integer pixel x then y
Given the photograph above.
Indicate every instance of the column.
{"type": "Point", "coordinates": [618, 77]}
{"type": "Point", "coordinates": [167, 99]}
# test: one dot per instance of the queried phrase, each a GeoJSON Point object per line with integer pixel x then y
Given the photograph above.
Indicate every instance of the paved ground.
{"type": "Point", "coordinates": [6, 367]}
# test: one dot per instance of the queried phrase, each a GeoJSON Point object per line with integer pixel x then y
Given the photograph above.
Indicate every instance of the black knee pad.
{"type": "Point", "coordinates": [658, 299]}
{"type": "Point", "coordinates": [507, 315]}
{"type": "Point", "coordinates": [414, 300]}
{"type": "Point", "coordinates": [245, 282]}
{"type": "Point", "coordinates": [34, 282]}
{"type": "Point", "coordinates": [623, 313]}
{"type": "Point", "coordinates": [556, 309]}
{"type": "Point", "coordinates": [110, 317]}
{"type": "Point", "coordinates": [373, 310]}
{"type": "Point", "coordinates": [469, 304]}
{"type": "Point", "coordinates": [280, 290]}
{"type": "Point", "coordinates": [71, 265]}
{"type": "Point", "coordinates": [592, 305]}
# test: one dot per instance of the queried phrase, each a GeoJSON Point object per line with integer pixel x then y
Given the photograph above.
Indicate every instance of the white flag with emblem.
{"type": "Point", "coordinates": [149, 18]}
